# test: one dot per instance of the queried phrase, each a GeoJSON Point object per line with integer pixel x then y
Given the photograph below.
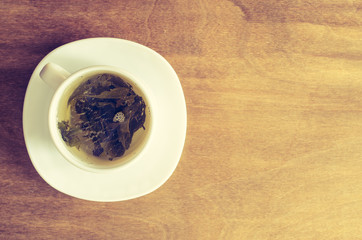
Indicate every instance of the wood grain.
{"type": "Point", "coordinates": [273, 91]}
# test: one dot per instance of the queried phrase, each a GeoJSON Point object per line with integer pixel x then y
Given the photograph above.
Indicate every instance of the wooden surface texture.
{"type": "Point", "coordinates": [274, 138]}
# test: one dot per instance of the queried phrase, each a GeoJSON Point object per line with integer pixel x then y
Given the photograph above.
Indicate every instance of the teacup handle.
{"type": "Point", "coordinates": [53, 75]}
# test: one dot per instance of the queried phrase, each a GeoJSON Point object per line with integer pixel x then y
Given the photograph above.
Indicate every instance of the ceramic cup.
{"type": "Point", "coordinates": [64, 83]}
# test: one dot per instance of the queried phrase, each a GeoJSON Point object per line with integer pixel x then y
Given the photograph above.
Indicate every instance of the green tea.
{"type": "Point", "coordinates": [102, 115]}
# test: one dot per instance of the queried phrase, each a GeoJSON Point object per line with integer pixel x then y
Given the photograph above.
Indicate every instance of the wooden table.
{"type": "Point", "coordinates": [274, 139]}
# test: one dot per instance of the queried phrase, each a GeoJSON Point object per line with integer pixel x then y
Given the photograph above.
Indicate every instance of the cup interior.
{"type": "Point", "coordinates": [58, 111]}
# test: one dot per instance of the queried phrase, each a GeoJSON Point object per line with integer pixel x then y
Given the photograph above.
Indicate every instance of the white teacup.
{"type": "Point", "coordinates": [64, 84]}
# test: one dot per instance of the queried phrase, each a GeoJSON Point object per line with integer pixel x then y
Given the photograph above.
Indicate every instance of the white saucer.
{"type": "Point", "coordinates": [137, 178]}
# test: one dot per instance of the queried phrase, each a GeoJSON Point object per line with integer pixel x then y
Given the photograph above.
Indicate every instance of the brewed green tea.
{"type": "Point", "coordinates": [103, 113]}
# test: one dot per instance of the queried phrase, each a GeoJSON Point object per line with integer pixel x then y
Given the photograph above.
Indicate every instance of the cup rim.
{"type": "Point", "coordinates": [53, 119]}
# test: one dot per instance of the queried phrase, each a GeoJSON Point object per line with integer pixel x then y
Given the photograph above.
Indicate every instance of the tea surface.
{"type": "Point", "coordinates": [103, 114]}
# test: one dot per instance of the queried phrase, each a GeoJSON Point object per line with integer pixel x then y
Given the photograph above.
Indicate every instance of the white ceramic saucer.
{"type": "Point", "coordinates": [137, 178]}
